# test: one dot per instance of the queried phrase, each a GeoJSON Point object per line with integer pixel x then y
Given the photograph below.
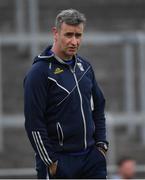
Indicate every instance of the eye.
{"type": "Point", "coordinates": [69, 34]}
{"type": "Point", "coordinates": [78, 35]}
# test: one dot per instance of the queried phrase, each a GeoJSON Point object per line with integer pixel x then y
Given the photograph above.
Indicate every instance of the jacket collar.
{"type": "Point", "coordinates": [47, 53]}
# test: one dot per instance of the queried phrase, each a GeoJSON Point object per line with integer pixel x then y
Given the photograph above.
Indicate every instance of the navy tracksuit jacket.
{"type": "Point", "coordinates": [63, 106]}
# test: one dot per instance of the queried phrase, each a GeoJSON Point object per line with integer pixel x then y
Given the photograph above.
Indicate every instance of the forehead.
{"type": "Point", "coordinates": [128, 163]}
{"type": "Point", "coordinates": [72, 28]}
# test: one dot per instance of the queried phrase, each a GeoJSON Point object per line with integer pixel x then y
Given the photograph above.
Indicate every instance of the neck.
{"type": "Point", "coordinates": [60, 54]}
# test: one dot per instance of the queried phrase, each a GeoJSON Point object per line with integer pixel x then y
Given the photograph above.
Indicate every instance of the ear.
{"type": "Point", "coordinates": [55, 33]}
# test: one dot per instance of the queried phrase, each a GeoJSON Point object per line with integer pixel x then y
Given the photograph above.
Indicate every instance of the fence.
{"type": "Point", "coordinates": [97, 39]}
{"type": "Point", "coordinates": [112, 121]}
{"type": "Point", "coordinates": [128, 39]}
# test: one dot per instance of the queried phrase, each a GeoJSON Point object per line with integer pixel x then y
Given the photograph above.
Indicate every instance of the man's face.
{"type": "Point", "coordinates": [127, 169]}
{"type": "Point", "coordinates": [68, 39]}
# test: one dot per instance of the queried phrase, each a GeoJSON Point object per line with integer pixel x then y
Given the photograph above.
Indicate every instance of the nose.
{"type": "Point", "coordinates": [74, 40]}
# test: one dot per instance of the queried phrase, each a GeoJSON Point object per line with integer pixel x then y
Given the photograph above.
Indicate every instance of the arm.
{"type": "Point", "coordinates": [35, 101]}
{"type": "Point", "coordinates": [98, 114]}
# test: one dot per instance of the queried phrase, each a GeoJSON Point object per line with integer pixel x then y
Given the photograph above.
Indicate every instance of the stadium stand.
{"type": "Point", "coordinates": [108, 61]}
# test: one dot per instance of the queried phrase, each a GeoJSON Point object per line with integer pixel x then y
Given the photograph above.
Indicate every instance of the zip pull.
{"type": "Point", "coordinates": [60, 133]}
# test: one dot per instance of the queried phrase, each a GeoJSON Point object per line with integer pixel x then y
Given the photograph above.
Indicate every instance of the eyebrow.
{"type": "Point", "coordinates": [72, 33]}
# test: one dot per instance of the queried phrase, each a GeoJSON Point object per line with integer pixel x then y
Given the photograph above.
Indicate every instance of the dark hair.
{"type": "Point", "coordinates": [70, 17]}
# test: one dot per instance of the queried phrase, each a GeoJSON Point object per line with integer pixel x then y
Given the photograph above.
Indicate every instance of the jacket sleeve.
{"type": "Point", "coordinates": [35, 99]}
{"type": "Point", "coordinates": [98, 112]}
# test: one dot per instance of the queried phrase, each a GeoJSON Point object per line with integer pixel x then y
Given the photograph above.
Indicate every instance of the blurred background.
{"type": "Point", "coordinates": [114, 43]}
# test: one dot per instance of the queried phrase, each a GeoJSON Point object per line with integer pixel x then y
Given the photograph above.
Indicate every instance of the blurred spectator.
{"type": "Point", "coordinates": [126, 168]}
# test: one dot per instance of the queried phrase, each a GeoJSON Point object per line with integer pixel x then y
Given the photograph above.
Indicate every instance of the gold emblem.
{"type": "Point", "coordinates": [58, 71]}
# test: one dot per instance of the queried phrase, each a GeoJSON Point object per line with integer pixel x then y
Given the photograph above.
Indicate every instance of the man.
{"type": "Point", "coordinates": [64, 107]}
{"type": "Point", "coordinates": [126, 168]}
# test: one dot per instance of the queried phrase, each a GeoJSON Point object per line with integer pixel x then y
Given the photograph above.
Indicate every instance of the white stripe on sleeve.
{"type": "Point", "coordinates": [41, 149]}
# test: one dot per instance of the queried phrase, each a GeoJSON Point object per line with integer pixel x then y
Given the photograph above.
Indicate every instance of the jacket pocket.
{"type": "Point", "coordinates": [60, 134]}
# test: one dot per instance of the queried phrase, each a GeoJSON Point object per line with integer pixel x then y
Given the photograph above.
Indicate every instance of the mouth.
{"type": "Point", "coordinates": [72, 48]}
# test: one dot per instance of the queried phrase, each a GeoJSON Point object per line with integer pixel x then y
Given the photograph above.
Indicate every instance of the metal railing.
{"type": "Point", "coordinates": [31, 173]}
{"type": "Point", "coordinates": [112, 121]}
{"type": "Point", "coordinates": [34, 39]}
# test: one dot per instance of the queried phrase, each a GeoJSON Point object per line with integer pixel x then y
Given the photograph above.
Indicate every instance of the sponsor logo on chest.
{"type": "Point", "coordinates": [58, 71]}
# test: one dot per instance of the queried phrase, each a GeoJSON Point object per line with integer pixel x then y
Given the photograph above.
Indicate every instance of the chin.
{"type": "Point", "coordinates": [71, 53]}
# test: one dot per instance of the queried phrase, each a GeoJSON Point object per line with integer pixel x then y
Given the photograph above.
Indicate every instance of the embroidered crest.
{"type": "Point", "coordinates": [80, 66]}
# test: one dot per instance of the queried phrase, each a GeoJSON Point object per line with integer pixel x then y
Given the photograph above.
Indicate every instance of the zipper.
{"type": "Point", "coordinates": [83, 115]}
{"type": "Point", "coordinates": [60, 134]}
{"type": "Point", "coordinates": [92, 102]}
